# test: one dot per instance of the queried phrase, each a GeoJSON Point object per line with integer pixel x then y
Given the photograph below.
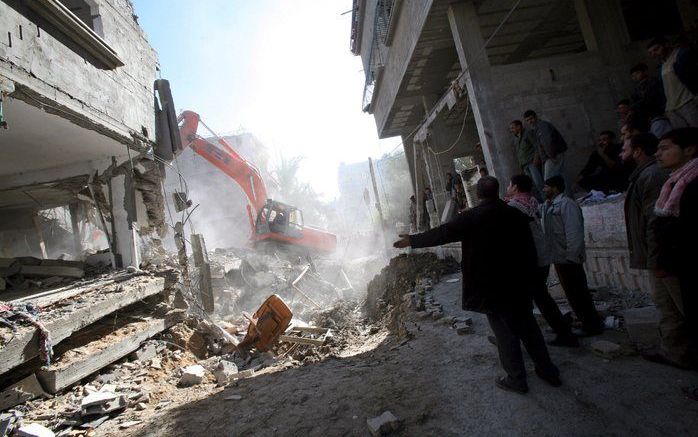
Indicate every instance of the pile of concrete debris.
{"type": "Point", "coordinates": [109, 349]}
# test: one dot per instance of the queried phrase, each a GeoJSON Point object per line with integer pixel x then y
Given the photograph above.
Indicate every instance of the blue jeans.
{"type": "Point", "coordinates": [533, 172]}
{"type": "Point", "coordinates": [554, 166]}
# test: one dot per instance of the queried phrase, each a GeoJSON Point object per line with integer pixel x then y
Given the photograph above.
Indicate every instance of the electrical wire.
{"type": "Point", "coordinates": [462, 128]}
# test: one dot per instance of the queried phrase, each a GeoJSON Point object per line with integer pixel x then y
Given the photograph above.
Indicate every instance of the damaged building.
{"type": "Point", "coordinates": [81, 204]}
{"type": "Point", "coordinates": [449, 77]}
{"type": "Point", "coordinates": [78, 176]}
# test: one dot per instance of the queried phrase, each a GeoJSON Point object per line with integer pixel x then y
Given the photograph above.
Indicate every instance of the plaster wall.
{"type": "Point", "coordinates": [577, 93]}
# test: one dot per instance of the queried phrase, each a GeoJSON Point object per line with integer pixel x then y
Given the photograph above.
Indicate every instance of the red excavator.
{"type": "Point", "coordinates": [273, 223]}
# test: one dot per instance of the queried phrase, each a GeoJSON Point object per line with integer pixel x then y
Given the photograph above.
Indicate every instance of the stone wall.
{"type": "Point", "coordinates": [607, 262]}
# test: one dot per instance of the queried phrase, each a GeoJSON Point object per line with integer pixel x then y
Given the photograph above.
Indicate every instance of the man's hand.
{"type": "Point", "coordinates": [403, 242]}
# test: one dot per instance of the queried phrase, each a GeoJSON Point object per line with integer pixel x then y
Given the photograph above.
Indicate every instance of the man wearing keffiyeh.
{"type": "Point", "coordinates": [677, 220]}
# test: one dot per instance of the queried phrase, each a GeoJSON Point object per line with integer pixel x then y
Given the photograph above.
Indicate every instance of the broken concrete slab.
{"type": "Point", "coordinates": [34, 430]}
{"type": "Point", "coordinates": [606, 349]}
{"type": "Point", "coordinates": [642, 325]}
{"type": "Point", "coordinates": [25, 390]}
{"type": "Point", "coordinates": [101, 403]}
{"type": "Point", "coordinates": [147, 351]}
{"type": "Point", "coordinates": [61, 323]}
{"type": "Point", "coordinates": [205, 282]}
{"type": "Point", "coordinates": [43, 271]}
{"type": "Point", "coordinates": [192, 375]}
{"type": "Point", "coordinates": [383, 424]}
{"type": "Point", "coordinates": [97, 398]}
{"type": "Point", "coordinates": [120, 343]}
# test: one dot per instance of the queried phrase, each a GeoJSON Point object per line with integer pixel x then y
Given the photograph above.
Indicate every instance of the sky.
{"type": "Point", "coordinates": [279, 69]}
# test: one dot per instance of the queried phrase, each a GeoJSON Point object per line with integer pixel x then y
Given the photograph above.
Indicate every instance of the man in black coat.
{"type": "Point", "coordinates": [499, 273]}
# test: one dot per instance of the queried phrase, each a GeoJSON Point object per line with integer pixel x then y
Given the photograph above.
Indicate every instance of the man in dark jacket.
{"type": "Point", "coordinates": [499, 274]}
{"type": "Point", "coordinates": [604, 170]}
{"type": "Point", "coordinates": [647, 100]}
{"type": "Point", "coordinates": [679, 75]}
{"type": "Point", "coordinates": [677, 215]}
{"type": "Point", "coordinates": [645, 184]}
{"type": "Point", "coordinates": [551, 145]}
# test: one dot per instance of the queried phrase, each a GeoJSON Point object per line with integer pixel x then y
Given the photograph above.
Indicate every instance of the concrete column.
{"type": "Point", "coordinates": [126, 242]}
{"type": "Point", "coordinates": [75, 224]}
{"type": "Point", "coordinates": [470, 45]}
{"type": "Point", "coordinates": [603, 28]}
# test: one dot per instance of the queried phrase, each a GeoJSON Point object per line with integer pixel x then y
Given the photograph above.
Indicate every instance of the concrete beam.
{"type": "Point", "coordinates": [603, 28]}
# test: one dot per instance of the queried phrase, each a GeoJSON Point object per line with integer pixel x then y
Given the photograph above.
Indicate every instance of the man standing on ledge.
{"type": "Point", "coordinates": [499, 275]}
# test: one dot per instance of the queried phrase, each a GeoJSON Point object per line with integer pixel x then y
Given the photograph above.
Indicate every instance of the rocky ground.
{"type": "Point", "coordinates": [419, 357]}
{"type": "Point", "coordinates": [437, 382]}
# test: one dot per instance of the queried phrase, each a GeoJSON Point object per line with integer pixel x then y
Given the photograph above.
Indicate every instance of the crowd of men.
{"type": "Point", "coordinates": [656, 163]}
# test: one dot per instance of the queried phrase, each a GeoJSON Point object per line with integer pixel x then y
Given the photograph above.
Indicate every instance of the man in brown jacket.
{"type": "Point", "coordinates": [645, 184]}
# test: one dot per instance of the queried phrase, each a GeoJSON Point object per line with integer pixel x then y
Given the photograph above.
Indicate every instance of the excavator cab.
{"type": "Point", "coordinates": [280, 219]}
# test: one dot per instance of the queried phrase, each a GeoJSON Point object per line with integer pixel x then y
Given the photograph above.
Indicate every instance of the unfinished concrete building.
{"type": "Point", "coordinates": [449, 77]}
{"type": "Point", "coordinates": [76, 78]}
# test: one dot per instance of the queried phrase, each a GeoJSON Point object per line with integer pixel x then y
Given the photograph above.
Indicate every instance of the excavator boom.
{"type": "Point", "coordinates": [270, 221]}
{"type": "Point", "coordinates": [222, 155]}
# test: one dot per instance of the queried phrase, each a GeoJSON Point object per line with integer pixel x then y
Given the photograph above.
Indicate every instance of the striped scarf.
{"type": "Point", "coordinates": [670, 197]}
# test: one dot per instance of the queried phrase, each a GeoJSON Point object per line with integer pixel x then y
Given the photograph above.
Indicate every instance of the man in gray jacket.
{"type": "Point", "coordinates": [520, 196]}
{"type": "Point", "coordinates": [563, 227]}
{"type": "Point", "coordinates": [645, 184]}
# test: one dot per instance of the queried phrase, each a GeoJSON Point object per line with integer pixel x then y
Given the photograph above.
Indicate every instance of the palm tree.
{"type": "Point", "coordinates": [297, 193]}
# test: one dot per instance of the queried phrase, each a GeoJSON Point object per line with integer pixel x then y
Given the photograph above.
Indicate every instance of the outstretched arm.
{"type": "Point", "coordinates": [450, 232]}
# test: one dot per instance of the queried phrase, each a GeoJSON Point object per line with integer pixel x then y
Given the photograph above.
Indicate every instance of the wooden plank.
{"type": "Point", "coordinates": [25, 345]}
{"type": "Point", "coordinates": [299, 291]}
{"type": "Point", "coordinates": [302, 340]}
{"type": "Point", "coordinates": [311, 329]}
{"type": "Point", "coordinates": [305, 270]}
{"type": "Point", "coordinates": [23, 391]}
{"type": "Point", "coordinates": [64, 374]}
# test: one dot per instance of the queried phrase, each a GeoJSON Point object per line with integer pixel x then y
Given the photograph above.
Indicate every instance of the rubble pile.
{"type": "Point", "coordinates": [107, 349]}
{"type": "Point", "coordinates": [386, 290]}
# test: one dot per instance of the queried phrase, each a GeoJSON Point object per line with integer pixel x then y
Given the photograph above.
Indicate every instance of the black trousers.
{"type": "Point", "coordinates": [574, 281]}
{"type": "Point", "coordinates": [547, 305]}
{"type": "Point", "coordinates": [512, 329]}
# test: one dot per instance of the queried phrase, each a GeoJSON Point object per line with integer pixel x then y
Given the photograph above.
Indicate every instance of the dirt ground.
{"type": "Point", "coordinates": [437, 383]}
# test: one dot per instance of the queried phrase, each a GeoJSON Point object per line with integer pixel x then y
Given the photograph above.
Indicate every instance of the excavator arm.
{"type": "Point", "coordinates": [265, 215]}
{"type": "Point", "coordinates": [222, 155]}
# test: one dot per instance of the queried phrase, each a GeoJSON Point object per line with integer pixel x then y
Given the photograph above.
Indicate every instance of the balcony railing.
{"type": "Point", "coordinates": [374, 66]}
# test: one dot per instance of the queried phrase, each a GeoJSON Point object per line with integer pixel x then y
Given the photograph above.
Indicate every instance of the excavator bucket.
{"type": "Point", "coordinates": [266, 324]}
